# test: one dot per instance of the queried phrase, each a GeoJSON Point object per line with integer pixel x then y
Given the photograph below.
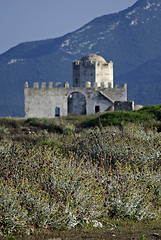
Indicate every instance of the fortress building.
{"type": "Point", "coordinates": [92, 92]}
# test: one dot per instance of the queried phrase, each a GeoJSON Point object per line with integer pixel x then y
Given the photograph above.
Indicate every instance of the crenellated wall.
{"type": "Point", "coordinates": [92, 91]}
{"type": "Point", "coordinates": [42, 101]}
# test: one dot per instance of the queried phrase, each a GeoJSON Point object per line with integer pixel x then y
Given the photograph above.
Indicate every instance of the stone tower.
{"type": "Point", "coordinates": [92, 92]}
{"type": "Point", "coordinates": [94, 69]}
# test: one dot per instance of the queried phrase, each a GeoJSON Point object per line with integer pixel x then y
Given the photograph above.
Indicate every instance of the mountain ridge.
{"type": "Point", "coordinates": [130, 38]}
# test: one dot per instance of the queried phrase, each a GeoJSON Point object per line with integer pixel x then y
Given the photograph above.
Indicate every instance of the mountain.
{"type": "Point", "coordinates": [130, 38]}
{"type": "Point", "coordinates": [144, 82]}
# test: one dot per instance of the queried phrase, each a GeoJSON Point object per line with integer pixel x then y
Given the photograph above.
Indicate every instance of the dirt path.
{"type": "Point", "coordinates": [142, 230]}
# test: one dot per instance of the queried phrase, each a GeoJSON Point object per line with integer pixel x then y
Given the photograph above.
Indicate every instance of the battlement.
{"type": "Point", "coordinates": [81, 63]}
{"type": "Point", "coordinates": [44, 85]}
{"type": "Point", "coordinates": [104, 85]}
{"type": "Point", "coordinates": [92, 91]}
{"type": "Point", "coordinates": [36, 85]}
{"type": "Point", "coordinates": [123, 86]}
{"type": "Point", "coordinates": [91, 63]}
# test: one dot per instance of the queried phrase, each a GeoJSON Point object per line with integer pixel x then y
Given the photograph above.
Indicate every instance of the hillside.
{"type": "Point", "coordinates": [130, 38]}
{"type": "Point", "coordinates": [146, 84]}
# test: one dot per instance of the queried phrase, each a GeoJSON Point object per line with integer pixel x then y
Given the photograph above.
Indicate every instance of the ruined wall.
{"type": "Point", "coordinates": [123, 106]}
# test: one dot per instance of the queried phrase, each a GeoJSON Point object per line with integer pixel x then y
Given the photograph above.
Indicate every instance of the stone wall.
{"type": "Point", "coordinates": [117, 93]}
{"type": "Point", "coordinates": [92, 91]}
{"type": "Point", "coordinates": [42, 103]}
{"type": "Point", "coordinates": [123, 106]}
{"type": "Point", "coordinates": [45, 101]}
{"type": "Point", "coordinates": [94, 72]}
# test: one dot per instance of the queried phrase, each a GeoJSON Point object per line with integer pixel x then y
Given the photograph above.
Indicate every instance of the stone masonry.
{"type": "Point", "coordinates": [92, 91]}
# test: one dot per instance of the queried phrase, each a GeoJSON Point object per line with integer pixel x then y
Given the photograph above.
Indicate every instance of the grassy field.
{"type": "Point", "coordinates": [93, 177]}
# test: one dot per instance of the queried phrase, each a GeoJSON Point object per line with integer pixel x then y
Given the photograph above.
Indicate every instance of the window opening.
{"type": "Point", "coordinates": [97, 109]}
{"type": "Point", "coordinates": [57, 112]}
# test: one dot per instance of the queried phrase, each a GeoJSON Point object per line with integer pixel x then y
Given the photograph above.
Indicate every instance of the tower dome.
{"type": "Point", "coordinates": [94, 58]}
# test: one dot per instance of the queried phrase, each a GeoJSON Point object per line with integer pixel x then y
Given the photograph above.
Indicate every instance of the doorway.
{"type": "Point", "coordinates": [77, 103]}
{"type": "Point", "coordinates": [97, 109]}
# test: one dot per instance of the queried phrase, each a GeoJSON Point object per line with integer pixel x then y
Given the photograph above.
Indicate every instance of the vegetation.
{"type": "Point", "coordinates": [55, 174]}
{"type": "Point", "coordinates": [119, 118]}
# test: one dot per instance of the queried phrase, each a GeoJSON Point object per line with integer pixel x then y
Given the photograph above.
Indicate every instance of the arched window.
{"type": "Point", "coordinates": [57, 112]}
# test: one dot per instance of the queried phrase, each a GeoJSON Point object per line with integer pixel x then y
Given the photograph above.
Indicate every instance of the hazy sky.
{"type": "Point", "coordinates": [28, 20]}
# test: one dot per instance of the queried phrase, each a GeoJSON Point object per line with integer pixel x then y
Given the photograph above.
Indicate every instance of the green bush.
{"type": "Point", "coordinates": [154, 111]}
{"type": "Point", "coordinates": [41, 123]}
{"type": "Point", "coordinates": [118, 118]}
{"type": "Point", "coordinates": [11, 122]}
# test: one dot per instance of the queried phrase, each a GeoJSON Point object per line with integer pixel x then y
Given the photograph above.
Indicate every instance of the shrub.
{"type": "Point", "coordinates": [66, 180]}
{"type": "Point", "coordinates": [11, 122]}
{"type": "Point", "coordinates": [154, 111]}
{"type": "Point", "coordinates": [118, 118]}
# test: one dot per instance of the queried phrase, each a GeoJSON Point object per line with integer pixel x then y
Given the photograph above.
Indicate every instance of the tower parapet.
{"type": "Point", "coordinates": [76, 63]}
{"type": "Point", "coordinates": [57, 84]}
{"type": "Point", "coordinates": [26, 85]}
{"type": "Point", "coordinates": [66, 85]}
{"type": "Point", "coordinates": [102, 85]}
{"type": "Point", "coordinates": [88, 84]}
{"type": "Point", "coordinates": [124, 85]}
{"type": "Point", "coordinates": [95, 85]}
{"type": "Point", "coordinates": [50, 84]}
{"type": "Point", "coordinates": [43, 85]}
{"type": "Point", "coordinates": [36, 85]}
